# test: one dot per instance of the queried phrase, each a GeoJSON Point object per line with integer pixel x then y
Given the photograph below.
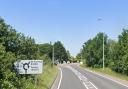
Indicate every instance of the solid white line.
{"type": "Point", "coordinates": [60, 78]}
{"type": "Point", "coordinates": [106, 78]}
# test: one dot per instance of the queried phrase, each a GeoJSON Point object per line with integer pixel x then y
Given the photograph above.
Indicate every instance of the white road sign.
{"type": "Point", "coordinates": [29, 66]}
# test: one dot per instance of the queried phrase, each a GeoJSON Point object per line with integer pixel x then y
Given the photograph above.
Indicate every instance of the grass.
{"type": "Point", "coordinates": [46, 79]}
{"type": "Point", "coordinates": [108, 71]}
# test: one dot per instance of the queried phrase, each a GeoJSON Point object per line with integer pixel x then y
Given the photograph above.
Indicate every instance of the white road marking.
{"type": "Point", "coordinates": [60, 78]}
{"type": "Point", "coordinates": [83, 79]}
{"type": "Point", "coordinates": [94, 85]}
{"type": "Point", "coordinates": [107, 78]}
{"type": "Point", "coordinates": [85, 85]}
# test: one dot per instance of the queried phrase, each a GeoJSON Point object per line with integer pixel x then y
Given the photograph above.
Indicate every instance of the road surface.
{"type": "Point", "coordinates": [74, 77]}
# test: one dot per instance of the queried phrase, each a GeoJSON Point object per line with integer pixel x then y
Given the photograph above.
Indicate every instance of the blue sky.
{"type": "Point", "coordinates": [73, 22]}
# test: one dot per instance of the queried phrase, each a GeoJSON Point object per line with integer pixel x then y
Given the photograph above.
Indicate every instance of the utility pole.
{"type": "Point", "coordinates": [53, 54]}
{"type": "Point", "coordinates": [103, 51]}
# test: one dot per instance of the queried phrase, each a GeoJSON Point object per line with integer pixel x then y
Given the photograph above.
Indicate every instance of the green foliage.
{"type": "Point", "coordinates": [112, 54]}
{"type": "Point", "coordinates": [116, 53]}
{"type": "Point", "coordinates": [92, 50]}
{"type": "Point", "coordinates": [15, 46]}
{"type": "Point", "coordinates": [69, 55]}
{"type": "Point", "coordinates": [45, 49]}
{"type": "Point", "coordinates": [46, 79]}
{"type": "Point", "coordinates": [79, 57]}
{"type": "Point", "coordinates": [60, 52]}
{"type": "Point", "coordinates": [108, 71]}
{"type": "Point", "coordinates": [121, 63]}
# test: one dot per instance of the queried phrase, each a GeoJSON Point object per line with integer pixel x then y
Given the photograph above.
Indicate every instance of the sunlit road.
{"type": "Point", "coordinates": [70, 80]}
{"type": "Point", "coordinates": [74, 77]}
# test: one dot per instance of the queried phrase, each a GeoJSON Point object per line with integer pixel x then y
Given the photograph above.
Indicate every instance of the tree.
{"type": "Point", "coordinates": [121, 60]}
{"type": "Point", "coordinates": [45, 49]}
{"type": "Point", "coordinates": [93, 50]}
{"type": "Point", "coordinates": [60, 52]}
{"type": "Point", "coordinates": [14, 46]}
{"type": "Point", "coordinates": [112, 53]}
{"type": "Point", "coordinates": [68, 54]}
{"type": "Point", "coordinates": [45, 52]}
{"type": "Point", "coordinates": [78, 56]}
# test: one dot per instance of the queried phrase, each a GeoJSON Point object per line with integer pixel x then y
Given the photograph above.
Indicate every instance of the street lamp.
{"type": "Point", "coordinates": [100, 19]}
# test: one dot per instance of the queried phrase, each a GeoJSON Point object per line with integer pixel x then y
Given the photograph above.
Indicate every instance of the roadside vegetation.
{"type": "Point", "coordinates": [15, 46]}
{"type": "Point", "coordinates": [46, 79]}
{"type": "Point", "coordinates": [116, 54]}
{"type": "Point", "coordinates": [110, 72]}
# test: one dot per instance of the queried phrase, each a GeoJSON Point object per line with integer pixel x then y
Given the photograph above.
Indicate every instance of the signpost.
{"type": "Point", "coordinates": [29, 67]}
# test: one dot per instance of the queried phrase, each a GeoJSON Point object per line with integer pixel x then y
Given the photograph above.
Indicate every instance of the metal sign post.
{"type": "Point", "coordinates": [35, 81]}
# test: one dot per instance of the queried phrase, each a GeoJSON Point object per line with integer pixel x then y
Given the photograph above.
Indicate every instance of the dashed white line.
{"type": "Point", "coordinates": [84, 80]}
{"type": "Point", "coordinates": [94, 85]}
{"type": "Point", "coordinates": [85, 85]}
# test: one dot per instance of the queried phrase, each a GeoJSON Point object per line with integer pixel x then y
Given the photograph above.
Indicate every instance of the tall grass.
{"type": "Point", "coordinates": [45, 80]}
{"type": "Point", "coordinates": [110, 72]}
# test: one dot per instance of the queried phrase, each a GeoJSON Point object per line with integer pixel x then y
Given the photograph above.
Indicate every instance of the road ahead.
{"type": "Point", "coordinates": [74, 77]}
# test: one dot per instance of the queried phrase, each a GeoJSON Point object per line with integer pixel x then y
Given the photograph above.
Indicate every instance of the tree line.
{"type": "Point", "coordinates": [16, 46]}
{"type": "Point", "coordinates": [60, 53]}
{"type": "Point", "coordinates": [116, 52]}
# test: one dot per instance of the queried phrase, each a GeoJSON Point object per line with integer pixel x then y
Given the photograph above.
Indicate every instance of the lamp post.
{"type": "Point", "coordinates": [100, 19]}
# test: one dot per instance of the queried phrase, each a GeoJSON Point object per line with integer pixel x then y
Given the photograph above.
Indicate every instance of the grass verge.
{"type": "Point", "coordinates": [46, 79]}
{"type": "Point", "coordinates": [108, 71]}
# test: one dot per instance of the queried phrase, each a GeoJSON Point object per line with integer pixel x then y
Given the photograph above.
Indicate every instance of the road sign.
{"type": "Point", "coordinates": [29, 66]}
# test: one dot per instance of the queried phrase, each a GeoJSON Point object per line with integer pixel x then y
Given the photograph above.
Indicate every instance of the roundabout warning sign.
{"type": "Point", "coordinates": [29, 66]}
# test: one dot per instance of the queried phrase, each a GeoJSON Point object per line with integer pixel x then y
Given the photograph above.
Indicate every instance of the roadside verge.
{"type": "Point", "coordinates": [46, 79]}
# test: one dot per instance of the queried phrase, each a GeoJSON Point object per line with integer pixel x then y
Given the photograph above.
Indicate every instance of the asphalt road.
{"type": "Point", "coordinates": [69, 80]}
{"type": "Point", "coordinates": [74, 77]}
